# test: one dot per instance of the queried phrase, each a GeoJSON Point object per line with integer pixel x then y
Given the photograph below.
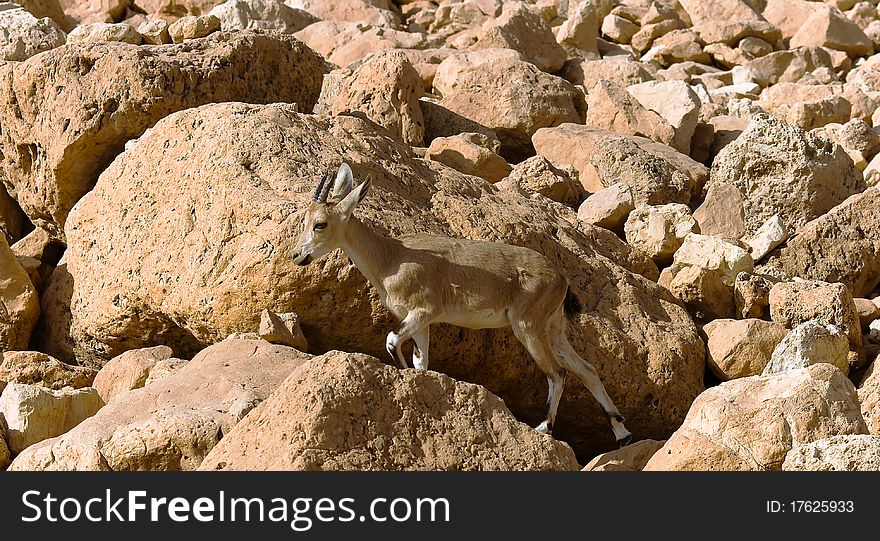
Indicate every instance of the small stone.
{"type": "Point", "coordinates": [702, 290]}
{"type": "Point", "coordinates": [98, 32]}
{"type": "Point", "coordinates": [282, 329]}
{"type": "Point", "coordinates": [608, 207]}
{"type": "Point", "coordinates": [767, 237]}
{"type": "Point", "coordinates": [618, 29]}
{"type": "Point", "coordinates": [469, 153]}
{"type": "Point", "coordinates": [751, 294]}
{"type": "Point", "coordinates": [155, 32]}
{"type": "Point", "coordinates": [715, 254]}
{"type": "Point", "coordinates": [659, 231]}
{"type": "Point", "coordinates": [193, 27]}
{"type": "Point", "coordinates": [810, 343]}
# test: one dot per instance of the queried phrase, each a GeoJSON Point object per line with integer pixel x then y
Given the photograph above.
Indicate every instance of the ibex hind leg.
{"type": "Point", "coordinates": [585, 371]}
{"type": "Point", "coordinates": [420, 351]}
{"type": "Point", "coordinates": [414, 322]}
{"type": "Point", "coordinates": [538, 345]}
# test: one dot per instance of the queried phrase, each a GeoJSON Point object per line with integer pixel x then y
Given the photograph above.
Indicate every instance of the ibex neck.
{"type": "Point", "coordinates": [368, 250]}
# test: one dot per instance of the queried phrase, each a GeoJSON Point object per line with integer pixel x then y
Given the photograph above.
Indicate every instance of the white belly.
{"type": "Point", "coordinates": [478, 319]}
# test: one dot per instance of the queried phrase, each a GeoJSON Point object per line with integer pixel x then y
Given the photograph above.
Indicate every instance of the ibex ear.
{"type": "Point", "coordinates": [343, 183]}
{"type": "Point", "coordinates": [350, 201]}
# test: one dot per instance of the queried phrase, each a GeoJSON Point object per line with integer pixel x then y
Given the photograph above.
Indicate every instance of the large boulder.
{"type": "Point", "coordinates": [656, 173]}
{"type": "Point", "coordinates": [780, 169]}
{"type": "Point", "coordinates": [173, 423]}
{"type": "Point", "coordinates": [752, 423]}
{"type": "Point", "coordinates": [830, 28]}
{"type": "Point", "coordinates": [838, 453]}
{"type": "Point", "coordinates": [261, 15]}
{"type": "Point", "coordinates": [237, 238]}
{"type": "Point", "coordinates": [22, 35]}
{"type": "Point", "coordinates": [128, 371]}
{"type": "Point", "coordinates": [386, 89]}
{"type": "Point", "coordinates": [740, 348]}
{"type": "Point", "coordinates": [36, 368]}
{"type": "Point", "coordinates": [676, 102]}
{"type": "Point", "coordinates": [56, 143]}
{"type": "Point", "coordinates": [508, 95]}
{"type": "Point", "coordinates": [841, 246]}
{"type": "Point", "coordinates": [612, 108]}
{"type": "Point", "coordinates": [347, 411]}
{"type": "Point", "coordinates": [344, 43]}
{"type": "Point", "coordinates": [810, 343]}
{"type": "Point", "coordinates": [19, 306]}
{"type": "Point", "coordinates": [376, 13]}
{"type": "Point", "coordinates": [520, 29]}
{"type": "Point", "coordinates": [32, 413]}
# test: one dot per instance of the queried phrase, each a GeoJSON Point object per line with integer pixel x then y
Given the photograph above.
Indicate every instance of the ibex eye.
{"type": "Point", "coordinates": [320, 225]}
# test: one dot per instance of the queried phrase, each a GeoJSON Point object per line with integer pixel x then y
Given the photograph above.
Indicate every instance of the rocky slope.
{"type": "Point", "coordinates": [705, 176]}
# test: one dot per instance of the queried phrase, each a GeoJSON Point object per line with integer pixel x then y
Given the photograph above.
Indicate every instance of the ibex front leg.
{"type": "Point", "coordinates": [415, 321]}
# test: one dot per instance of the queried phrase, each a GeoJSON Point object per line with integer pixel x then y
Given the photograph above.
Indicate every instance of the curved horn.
{"type": "Point", "coordinates": [320, 188]}
{"type": "Point", "coordinates": [325, 187]}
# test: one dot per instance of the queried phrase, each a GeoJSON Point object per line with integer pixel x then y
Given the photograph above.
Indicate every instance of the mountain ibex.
{"type": "Point", "coordinates": [425, 279]}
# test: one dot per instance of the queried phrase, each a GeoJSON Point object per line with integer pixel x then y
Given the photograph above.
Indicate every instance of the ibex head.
{"type": "Point", "coordinates": [327, 216]}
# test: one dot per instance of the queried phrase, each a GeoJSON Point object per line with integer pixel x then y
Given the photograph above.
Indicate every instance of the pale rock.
{"type": "Point", "coordinates": [174, 422]}
{"type": "Point", "coordinates": [607, 208]}
{"type": "Point", "coordinates": [345, 412]}
{"type": "Point", "coordinates": [99, 32]}
{"type": "Point", "coordinates": [702, 290]}
{"type": "Point", "coordinates": [838, 453]}
{"type": "Point", "coordinates": [282, 329]}
{"type": "Point", "coordinates": [754, 47]}
{"type": "Point", "coordinates": [633, 457]}
{"type": "Point", "coordinates": [22, 35]}
{"type": "Point", "coordinates": [642, 40]}
{"type": "Point", "coordinates": [471, 154]}
{"type": "Point", "coordinates": [713, 253]}
{"type": "Point", "coordinates": [779, 169]}
{"type": "Point", "coordinates": [193, 27]}
{"type": "Point", "coordinates": [618, 29]}
{"type": "Point", "coordinates": [345, 43]}
{"type": "Point", "coordinates": [733, 32]}
{"type": "Point", "coordinates": [128, 371]}
{"type": "Point", "coordinates": [719, 11]}
{"type": "Point", "coordinates": [519, 29]}
{"type": "Point", "coordinates": [767, 237]}
{"type": "Point", "coordinates": [154, 32]}
{"type": "Point", "coordinates": [619, 70]}
{"type": "Point", "coordinates": [869, 397]}
{"type": "Point", "coordinates": [868, 311]}
{"type": "Point", "coordinates": [19, 305]}
{"type": "Point", "coordinates": [11, 216]}
{"type": "Point", "coordinates": [794, 303]}
{"type": "Point", "coordinates": [5, 455]}
{"type": "Point", "coordinates": [679, 46]}
{"type": "Point", "coordinates": [36, 368]}
{"type": "Point", "coordinates": [659, 230]}
{"type": "Point", "coordinates": [740, 348]}
{"type": "Point", "coordinates": [33, 414]}
{"type": "Point", "coordinates": [611, 107]}
{"type": "Point", "coordinates": [426, 62]}
{"type": "Point", "coordinates": [810, 343]}
{"type": "Point", "coordinates": [380, 14]}
{"type": "Point", "coordinates": [261, 15]}
{"type": "Point", "coordinates": [752, 423]}
{"type": "Point", "coordinates": [676, 102]}
{"type": "Point", "coordinates": [872, 31]}
{"type": "Point", "coordinates": [386, 89]}
{"type": "Point", "coordinates": [863, 14]}
{"type": "Point", "coordinates": [537, 175]}
{"type": "Point", "coordinates": [164, 368]}
{"type": "Point", "coordinates": [722, 212]}
{"type": "Point", "coordinates": [829, 28]}
{"type": "Point", "coordinates": [579, 32]}
{"type": "Point", "coordinates": [507, 95]}
{"type": "Point", "coordinates": [656, 173]}
{"type": "Point", "coordinates": [790, 65]}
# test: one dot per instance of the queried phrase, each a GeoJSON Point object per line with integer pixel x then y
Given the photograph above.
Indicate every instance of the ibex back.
{"type": "Point", "coordinates": [425, 279]}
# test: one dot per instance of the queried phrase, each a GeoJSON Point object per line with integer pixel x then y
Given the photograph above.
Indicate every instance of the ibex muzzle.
{"type": "Point", "coordinates": [425, 279]}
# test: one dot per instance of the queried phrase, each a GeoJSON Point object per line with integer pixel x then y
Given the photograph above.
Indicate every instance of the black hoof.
{"type": "Point", "coordinates": [625, 441]}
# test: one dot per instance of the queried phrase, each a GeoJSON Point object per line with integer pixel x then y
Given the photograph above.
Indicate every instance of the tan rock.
{"type": "Point", "coordinates": [22, 35]}
{"type": "Point", "coordinates": [789, 15]}
{"type": "Point", "coordinates": [676, 102]}
{"type": "Point", "coordinates": [35, 368]}
{"type": "Point", "coordinates": [607, 208]}
{"type": "Point", "coordinates": [54, 157]}
{"type": "Point", "coordinates": [863, 14]}
{"type": "Point", "coordinates": [171, 9]}
{"type": "Point", "coordinates": [809, 343]}
{"type": "Point", "coordinates": [740, 348]}
{"type": "Point", "coordinates": [261, 15]}
{"type": "Point", "coordinates": [714, 254]}
{"type": "Point", "coordinates": [33, 414]}
{"type": "Point", "coordinates": [791, 65]}
{"type": "Point", "coordinates": [537, 175]}
{"type": "Point", "coordinates": [719, 11]}
{"type": "Point", "coordinates": [282, 329]}
{"type": "Point", "coordinates": [642, 40]}
{"type": "Point", "coordinates": [101, 32]}
{"type": "Point", "coordinates": [164, 368]}
{"type": "Point", "coordinates": [19, 305]}
{"type": "Point", "coordinates": [703, 291]}
{"type": "Point", "coordinates": [794, 303]}
{"type": "Point", "coordinates": [190, 298]}
{"type": "Point", "coordinates": [751, 295]}
{"type": "Point", "coordinates": [656, 173]}
{"type": "Point", "coordinates": [872, 31]}
{"type": "Point", "coordinates": [46, 8]}
{"type": "Point", "coordinates": [633, 457]}
{"type": "Point", "coordinates": [814, 105]}
{"type": "Point", "coordinates": [471, 154]}
{"type": "Point", "coordinates": [344, 43]}
{"type": "Point", "coordinates": [386, 89]}
{"type": "Point", "coordinates": [377, 13]}
{"type": "Point", "coordinates": [611, 107]}
{"type": "Point", "coordinates": [869, 398]}
{"type": "Point", "coordinates": [829, 28]}
{"type": "Point", "coordinates": [659, 230]}
{"type": "Point", "coordinates": [767, 237]}
{"type": "Point", "coordinates": [193, 27]}
{"type": "Point", "coordinates": [172, 423]}
{"type": "Point", "coordinates": [618, 29]}
{"type": "Point", "coordinates": [868, 311]}
{"type": "Point", "coordinates": [128, 371]}
{"type": "Point", "coordinates": [752, 423]}
{"type": "Point", "coordinates": [837, 453]}
{"type": "Point", "coordinates": [344, 412]}
{"type": "Point", "coordinates": [579, 32]}
{"type": "Point", "coordinates": [5, 455]}
{"type": "Point", "coordinates": [619, 70]}
{"type": "Point", "coordinates": [734, 31]}
{"type": "Point", "coordinates": [679, 46]}
{"type": "Point", "coordinates": [426, 62]}
{"type": "Point", "coordinates": [521, 30]}
{"type": "Point", "coordinates": [810, 174]}
{"type": "Point", "coordinates": [510, 96]}
{"type": "Point", "coordinates": [722, 213]}
{"type": "Point", "coordinates": [154, 32]}
{"type": "Point", "coordinates": [11, 216]}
